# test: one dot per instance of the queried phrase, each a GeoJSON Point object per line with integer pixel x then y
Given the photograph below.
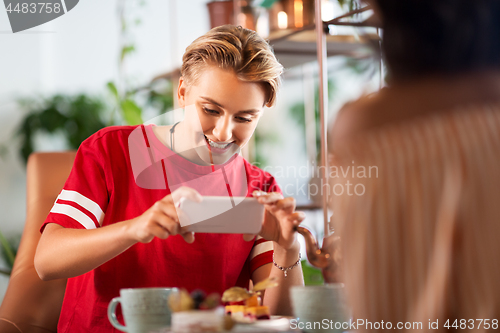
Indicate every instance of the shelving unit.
{"type": "Point", "coordinates": [297, 47]}
{"type": "Point", "coordinates": [312, 43]}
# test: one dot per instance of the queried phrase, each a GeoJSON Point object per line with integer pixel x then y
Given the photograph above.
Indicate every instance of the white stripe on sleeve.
{"type": "Point", "coordinates": [83, 201]}
{"type": "Point", "coordinates": [75, 214]}
{"type": "Point", "coordinates": [261, 248]}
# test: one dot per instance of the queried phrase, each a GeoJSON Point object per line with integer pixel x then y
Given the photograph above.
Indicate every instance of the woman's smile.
{"type": "Point", "coordinates": [218, 147]}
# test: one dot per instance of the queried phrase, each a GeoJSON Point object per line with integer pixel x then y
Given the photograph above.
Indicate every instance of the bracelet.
{"type": "Point", "coordinates": [286, 269]}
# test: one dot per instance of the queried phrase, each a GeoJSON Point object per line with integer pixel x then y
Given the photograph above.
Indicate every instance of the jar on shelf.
{"type": "Point", "coordinates": [291, 14]}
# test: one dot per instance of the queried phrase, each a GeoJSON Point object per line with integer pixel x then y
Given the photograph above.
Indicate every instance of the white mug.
{"type": "Point", "coordinates": [319, 308]}
{"type": "Point", "coordinates": [144, 309]}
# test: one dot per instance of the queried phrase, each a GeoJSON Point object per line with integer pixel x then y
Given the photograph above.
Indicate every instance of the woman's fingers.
{"type": "Point", "coordinates": [166, 222]}
{"type": "Point", "coordinates": [295, 220]}
{"type": "Point", "coordinates": [275, 202]}
{"type": "Point", "coordinates": [162, 207]}
{"type": "Point", "coordinates": [297, 217]}
{"type": "Point", "coordinates": [158, 231]}
{"type": "Point", "coordinates": [287, 204]}
{"type": "Point", "coordinates": [183, 192]}
{"type": "Point", "coordinates": [186, 234]}
{"type": "Point", "coordinates": [188, 237]}
{"type": "Point", "coordinates": [267, 198]}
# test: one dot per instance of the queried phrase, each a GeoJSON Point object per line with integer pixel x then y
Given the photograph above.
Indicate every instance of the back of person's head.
{"type": "Point", "coordinates": [435, 37]}
{"type": "Point", "coordinates": [238, 49]}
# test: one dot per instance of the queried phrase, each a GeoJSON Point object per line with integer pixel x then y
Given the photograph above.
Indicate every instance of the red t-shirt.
{"type": "Point", "coordinates": [106, 187]}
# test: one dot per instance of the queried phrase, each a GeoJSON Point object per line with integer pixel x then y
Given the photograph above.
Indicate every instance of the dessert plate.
{"type": "Point", "coordinates": [275, 324]}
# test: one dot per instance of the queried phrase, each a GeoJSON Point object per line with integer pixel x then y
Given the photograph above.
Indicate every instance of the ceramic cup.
{"type": "Point", "coordinates": [144, 309]}
{"type": "Point", "coordinates": [319, 308]}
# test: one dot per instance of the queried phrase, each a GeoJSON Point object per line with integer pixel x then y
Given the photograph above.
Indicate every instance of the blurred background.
{"type": "Point", "coordinates": [117, 62]}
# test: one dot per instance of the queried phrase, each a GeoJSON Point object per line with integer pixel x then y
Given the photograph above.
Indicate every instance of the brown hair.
{"type": "Point", "coordinates": [238, 49]}
{"type": "Point", "coordinates": [423, 37]}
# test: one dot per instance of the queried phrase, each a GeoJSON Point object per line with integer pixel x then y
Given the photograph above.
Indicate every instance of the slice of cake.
{"type": "Point", "coordinates": [232, 309]}
{"type": "Point", "coordinates": [198, 321]}
{"type": "Point", "coordinates": [257, 312]}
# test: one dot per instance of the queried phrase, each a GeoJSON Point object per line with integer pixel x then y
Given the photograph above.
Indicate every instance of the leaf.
{"type": "Point", "coordinates": [112, 88]}
{"type": "Point", "coordinates": [126, 50]}
{"type": "Point", "coordinates": [51, 119]}
{"type": "Point", "coordinates": [75, 117]}
{"type": "Point", "coordinates": [267, 3]}
{"type": "Point", "coordinates": [131, 112]}
{"type": "Point", "coordinates": [4, 151]}
{"type": "Point", "coordinates": [265, 284]}
{"type": "Point", "coordinates": [8, 250]}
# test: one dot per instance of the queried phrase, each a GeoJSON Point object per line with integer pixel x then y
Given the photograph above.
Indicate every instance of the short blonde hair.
{"type": "Point", "coordinates": [238, 49]}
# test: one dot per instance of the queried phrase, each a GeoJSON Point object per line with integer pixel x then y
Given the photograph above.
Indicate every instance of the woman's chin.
{"type": "Point", "coordinates": [219, 157]}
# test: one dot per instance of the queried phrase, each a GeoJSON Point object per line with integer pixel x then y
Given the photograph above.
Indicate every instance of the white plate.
{"type": "Point", "coordinates": [275, 324]}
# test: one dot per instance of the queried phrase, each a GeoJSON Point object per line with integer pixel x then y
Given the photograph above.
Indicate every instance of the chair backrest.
{"type": "Point", "coordinates": [31, 305]}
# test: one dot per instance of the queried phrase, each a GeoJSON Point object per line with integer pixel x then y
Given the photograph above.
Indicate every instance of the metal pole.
{"type": "Point", "coordinates": [323, 109]}
{"type": "Point", "coordinates": [381, 63]}
{"type": "Point", "coordinates": [309, 113]}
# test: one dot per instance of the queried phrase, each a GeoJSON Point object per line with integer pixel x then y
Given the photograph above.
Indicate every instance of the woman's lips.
{"type": "Point", "coordinates": [217, 150]}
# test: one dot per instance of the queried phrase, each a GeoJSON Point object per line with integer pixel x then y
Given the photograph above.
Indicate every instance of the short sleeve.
{"type": "Point", "coordinates": [262, 250]}
{"type": "Point", "coordinates": [84, 197]}
{"type": "Point", "coordinates": [261, 254]}
{"type": "Point", "coordinates": [273, 186]}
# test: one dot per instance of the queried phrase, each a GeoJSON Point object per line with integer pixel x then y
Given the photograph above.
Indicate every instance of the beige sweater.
{"type": "Point", "coordinates": [421, 233]}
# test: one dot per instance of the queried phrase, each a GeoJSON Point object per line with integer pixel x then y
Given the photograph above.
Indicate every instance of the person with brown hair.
{"type": "Point", "coordinates": [420, 241]}
{"type": "Point", "coordinates": [116, 223]}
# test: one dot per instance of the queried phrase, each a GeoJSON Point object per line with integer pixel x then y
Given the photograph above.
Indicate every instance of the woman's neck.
{"type": "Point", "coordinates": [178, 142]}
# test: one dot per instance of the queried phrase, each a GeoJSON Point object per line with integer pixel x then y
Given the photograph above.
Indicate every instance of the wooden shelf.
{"type": "Point", "coordinates": [296, 47]}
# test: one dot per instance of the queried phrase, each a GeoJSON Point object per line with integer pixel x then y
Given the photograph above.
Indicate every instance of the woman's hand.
{"type": "Point", "coordinates": [280, 219]}
{"type": "Point", "coordinates": [161, 220]}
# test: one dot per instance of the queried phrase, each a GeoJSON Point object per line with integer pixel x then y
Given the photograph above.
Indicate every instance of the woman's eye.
{"type": "Point", "coordinates": [243, 119]}
{"type": "Point", "coordinates": [210, 111]}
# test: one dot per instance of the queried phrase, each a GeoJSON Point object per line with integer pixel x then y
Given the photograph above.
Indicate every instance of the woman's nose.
{"type": "Point", "coordinates": [223, 129]}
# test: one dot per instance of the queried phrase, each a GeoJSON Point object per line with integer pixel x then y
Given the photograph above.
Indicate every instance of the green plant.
{"type": "Point", "coordinates": [351, 4]}
{"type": "Point", "coordinates": [263, 138]}
{"type": "Point", "coordinates": [312, 275]}
{"type": "Point", "coordinates": [124, 98]}
{"type": "Point", "coordinates": [73, 117]}
{"type": "Point", "coordinates": [9, 251]}
{"type": "Point", "coordinates": [297, 111]}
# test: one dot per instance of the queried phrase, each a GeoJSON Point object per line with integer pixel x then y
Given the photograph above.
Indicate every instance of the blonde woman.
{"type": "Point", "coordinates": [115, 224]}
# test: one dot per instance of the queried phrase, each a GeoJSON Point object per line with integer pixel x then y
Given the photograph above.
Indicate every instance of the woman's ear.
{"type": "Point", "coordinates": [181, 92]}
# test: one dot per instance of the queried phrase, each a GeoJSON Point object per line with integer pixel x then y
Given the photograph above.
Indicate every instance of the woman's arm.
{"type": "Point", "coordinates": [279, 226]}
{"type": "Point", "coordinates": [278, 298]}
{"type": "Point", "coordinates": [64, 252]}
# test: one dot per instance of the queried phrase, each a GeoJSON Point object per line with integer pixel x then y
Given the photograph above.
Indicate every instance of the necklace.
{"type": "Point", "coordinates": [172, 136]}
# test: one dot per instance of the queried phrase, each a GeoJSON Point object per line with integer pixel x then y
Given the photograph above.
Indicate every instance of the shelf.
{"type": "Point", "coordinates": [297, 47]}
{"type": "Point", "coordinates": [371, 21]}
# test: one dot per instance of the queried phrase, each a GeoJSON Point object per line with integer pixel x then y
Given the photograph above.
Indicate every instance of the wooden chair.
{"type": "Point", "coordinates": [30, 304]}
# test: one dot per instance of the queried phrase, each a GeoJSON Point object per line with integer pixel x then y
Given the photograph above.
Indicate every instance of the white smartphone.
{"type": "Point", "coordinates": [223, 215]}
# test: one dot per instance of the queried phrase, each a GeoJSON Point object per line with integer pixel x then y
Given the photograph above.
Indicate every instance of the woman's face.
{"type": "Point", "coordinates": [227, 110]}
